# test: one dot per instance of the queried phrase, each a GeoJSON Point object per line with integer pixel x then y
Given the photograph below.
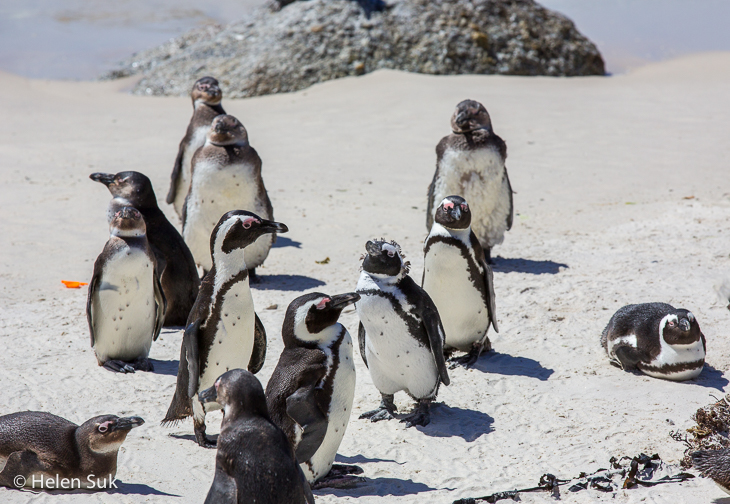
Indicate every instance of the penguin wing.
{"type": "Point", "coordinates": [440, 149]}
{"type": "Point", "coordinates": [93, 287]}
{"type": "Point", "coordinates": [224, 489]}
{"type": "Point", "coordinates": [511, 215]}
{"type": "Point", "coordinates": [489, 294]}
{"type": "Point", "coordinates": [176, 171]}
{"type": "Point", "coordinates": [361, 342]}
{"type": "Point", "coordinates": [161, 303]}
{"type": "Point", "coordinates": [259, 347]}
{"type": "Point", "coordinates": [21, 463]}
{"type": "Point", "coordinates": [302, 407]}
{"type": "Point", "coordinates": [190, 342]}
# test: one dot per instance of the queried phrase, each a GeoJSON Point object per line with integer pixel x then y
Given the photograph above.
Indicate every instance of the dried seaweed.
{"type": "Point", "coordinates": [710, 433]}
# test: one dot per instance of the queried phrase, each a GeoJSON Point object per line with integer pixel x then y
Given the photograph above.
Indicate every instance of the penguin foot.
{"type": "Point", "coordinates": [384, 412]}
{"type": "Point", "coordinates": [202, 439]}
{"type": "Point", "coordinates": [143, 364]}
{"type": "Point", "coordinates": [468, 360]}
{"type": "Point", "coordinates": [340, 476]}
{"type": "Point", "coordinates": [420, 416]}
{"type": "Point", "coordinates": [253, 278]}
{"type": "Point", "coordinates": [119, 366]}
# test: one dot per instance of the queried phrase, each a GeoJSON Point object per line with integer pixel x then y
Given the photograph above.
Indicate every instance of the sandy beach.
{"type": "Point", "coordinates": [621, 197]}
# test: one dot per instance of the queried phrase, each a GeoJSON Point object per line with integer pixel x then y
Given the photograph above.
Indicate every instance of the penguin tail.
{"type": "Point", "coordinates": [178, 410]}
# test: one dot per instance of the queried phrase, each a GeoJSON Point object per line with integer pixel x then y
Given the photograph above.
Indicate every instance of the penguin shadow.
{"type": "Point", "coordinates": [711, 378]}
{"type": "Point", "coordinates": [452, 421]}
{"type": "Point", "coordinates": [139, 489]}
{"type": "Point", "coordinates": [508, 365]}
{"type": "Point", "coordinates": [282, 242]}
{"type": "Point", "coordinates": [191, 437]}
{"type": "Point", "coordinates": [361, 459]}
{"type": "Point", "coordinates": [165, 367]}
{"type": "Point", "coordinates": [378, 487]}
{"type": "Point", "coordinates": [721, 500]}
{"type": "Point", "coordinates": [517, 265]}
{"type": "Point", "coordinates": [286, 283]}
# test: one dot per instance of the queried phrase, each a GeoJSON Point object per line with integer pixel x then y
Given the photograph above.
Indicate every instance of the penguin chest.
{"type": "Point", "coordinates": [461, 306]}
{"type": "Point", "coordinates": [123, 307]}
{"type": "Point", "coordinates": [183, 181]}
{"type": "Point", "coordinates": [676, 362]}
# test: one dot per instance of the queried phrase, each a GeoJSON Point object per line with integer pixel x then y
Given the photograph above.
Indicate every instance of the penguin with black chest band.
{"type": "Point", "coordinates": [311, 390]}
{"type": "Point", "coordinates": [400, 335]}
{"type": "Point", "coordinates": [255, 462]}
{"type": "Point", "coordinates": [459, 281]}
{"type": "Point", "coordinates": [206, 95]}
{"type": "Point", "coordinates": [223, 331]}
{"type": "Point", "coordinates": [470, 163]}
{"type": "Point", "coordinates": [175, 264]}
{"type": "Point", "coordinates": [125, 307]}
{"type": "Point", "coordinates": [657, 339]}
{"type": "Point", "coordinates": [226, 174]}
{"type": "Point", "coordinates": [714, 464]}
{"type": "Point", "coordinates": [36, 446]}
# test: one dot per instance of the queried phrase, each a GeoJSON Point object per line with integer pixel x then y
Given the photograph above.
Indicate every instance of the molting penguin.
{"type": "Point", "coordinates": [37, 446]}
{"type": "Point", "coordinates": [206, 95]}
{"type": "Point", "coordinates": [254, 462]}
{"type": "Point", "coordinates": [311, 390]}
{"type": "Point", "coordinates": [459, 280]}
{"type": "Point", "coordinates": [400, 335]}
{"type": "Point", "coordinates": [175, 264]}
{"type": "Point", "coordinates": [223, 331]}
{"type": "Point", "coordinates": [226, 174]}
{"type": "Point", "coordinates": [470, 163]}
{"type": "Point", "coordinates": [714, 464]}
{"type": "Point", "coordinates": [125, 307]}
{"type": "Point", "coordinates": [656, 338]}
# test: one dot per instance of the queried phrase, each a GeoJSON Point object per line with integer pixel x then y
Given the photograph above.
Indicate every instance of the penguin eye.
{"type": "Point", "coordinates": [464, 207]}
{"type": "Point", "coordinates": [322, 304]}
{"type": "Point", "coordinates": [671, 323]}
{"type": "Point", "coordinates": [103, 427]}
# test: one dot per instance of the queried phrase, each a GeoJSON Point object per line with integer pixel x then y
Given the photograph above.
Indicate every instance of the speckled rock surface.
{"type": "Point", "coordinates": [288, 49]}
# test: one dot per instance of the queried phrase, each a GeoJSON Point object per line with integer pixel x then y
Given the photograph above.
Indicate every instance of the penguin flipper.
{"type": "Point", "coordinates": [432, 323]}
{"type": "Point", "coordinates": [305, 486]}
{"type": "Point", "coordinates": [224, 489]}
{"type": "Point", "coordinates": [511, 216]}
{"type": "Point", "coordinates": [302, 407]}
{"type": "Point", "coordinates": [21, 463]}
{"type": "Point", "coordinates": [161, 305]}
{"type": "Point", "coordinates": [93, 285]}
{"type": "Point", "coordinates": [491, 298]}
{"type": "Point", "coordinates": [190, 348]}
{"type": "Point", "coordinates": [259, 346]}
{"type": "Point", "coordinates": [176, 171]}
{"type": "Point", "coordinates": [629, 357]}
{"type": "Point", "coordinates": [361, 342]}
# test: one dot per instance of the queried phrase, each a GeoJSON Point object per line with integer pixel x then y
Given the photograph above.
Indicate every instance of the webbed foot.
{"type": "Point", "coordinates": [468, 360]}
{"type": "Point", "coordinates": [340, 476]}
{"type": "Point", "coordinates": [421, 415]}
{"type": "Point", "coordinates": [384, 412]}
{"type": "Point", "coordinates": [119, 366]}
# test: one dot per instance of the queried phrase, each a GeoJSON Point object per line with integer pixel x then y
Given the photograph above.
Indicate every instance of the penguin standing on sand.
{"type": "Point", "coordinates": [223, 331]}
{"type": "Point", "coordinates": [175, 264]}
{"type": "Point", "coordinates": [714, 464]}
{"type": "Point", "coordinates": [206, 95]}
{"type": "Point", "coordinates": [126, 306]}
{"type": "Point", "coordinates": [226, 174]}
{"type": "Point", "coordinates": [254, 462]}
{"type": "Point", "coordinates": [459, 280]}
{"type": "Point", "coordinates": [401, 337]}
{"type": "Point", "coordinates": [311, 390]}
{"type": "Point", "coordinates": [36, 446]}
{"type": "Point", "coordinates": [657, 339]}
{"type": "Point", "coordinates": [470, 163]}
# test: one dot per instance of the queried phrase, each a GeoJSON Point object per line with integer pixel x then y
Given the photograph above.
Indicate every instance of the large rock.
{"type": "Point", "coordinates": [306, 42]}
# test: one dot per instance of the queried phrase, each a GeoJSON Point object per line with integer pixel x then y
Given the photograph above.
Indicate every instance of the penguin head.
{"type": "Point", "coordinates": [105, 433]}
{"type": "Point", "coordinates": [227, 130]}
{"type": "Point", "coordinates": [384, 259]}
{"type": "Point", "coordinates": [237, 229]}
{"type": "Point", "coordinates": [454, 213]}
{"type": "Point", "coordinates": [308, 315]}
{"type": "Point", "coordinates": [681, 328]}
{"type": "Point", "coordinates": [206, 90]}
{"type": "Point", "coordinates": [470, 115]}
{"type": "Point", "coordinates": [132, 186]}
{"type": "Point", "coordinates": [127, 223]}
{"type": "Point", "coordinates": [238, 392]}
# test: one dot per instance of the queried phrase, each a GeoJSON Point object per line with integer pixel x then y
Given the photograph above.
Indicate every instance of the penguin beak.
{"type": "Point", "coordinates": [127, 423]}
{"type": "Point", "coordinates": [456, 213]}
{"type": "Point", "coordinates": [268, 226]}
{"type": "Point", "coordinates": [684, 325]}
{"type": "Point", "coordinates": [372, 248]}
{"type": "Point", "coordinates": [208, 395]}
{"type": "Point", "coordinates": [104, 178]}
{"type": "Point", "coordinates": [341, 300]}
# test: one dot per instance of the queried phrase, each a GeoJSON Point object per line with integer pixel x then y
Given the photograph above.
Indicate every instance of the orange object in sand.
{"type": "Point", "coordinates": [73, 285]}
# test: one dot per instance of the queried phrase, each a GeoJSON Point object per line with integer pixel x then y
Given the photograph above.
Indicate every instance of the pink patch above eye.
{"type": "Point", "coordinates": [321, 304]}
{"type": "Point", "coordinates": [104, 427]}
{"type": "Point", "coordinates": [448, 205]}
{"type": "Point", "coordinates": [247, 222]}
{"type": "Point", "coordinates": [465, 207]}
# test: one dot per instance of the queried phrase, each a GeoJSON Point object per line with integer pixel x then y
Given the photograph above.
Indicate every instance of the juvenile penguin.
{"type": "Point", "coordinates": [223, 331]}
{"type": "Point", "coordinates": [400, 334]}
{"type": "Point", "coordinates": [226, 174]}
{"type": "Point", "coordinates": [714, 464]}
{"type": "Point", "coordinates": [125, 307]}
{"type": "Point", "coordinates": [656, 338]}
{"type": "Point", "coordinates": [460, 282]}
{"type": "Point", "coordinates": [175, 264]}
{"type": "Point", "coordinates": [470, 163]}
{"type": "Point", "coordinates": [206, 95]}
{"type": "Point", "coordinates": [36, 446]}
{"type": "Point", "coordinates": [311, 390]}
{"type": "Point", "coordinates": [254, 462]}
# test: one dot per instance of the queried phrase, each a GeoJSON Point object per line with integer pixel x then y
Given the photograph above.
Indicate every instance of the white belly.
{"type": "Point", "coordinates": [214, 192]}
{"type": "Point", "coordinates": [478, 177]}
{"type": "Point", "coordinates": [677, 354]}
{"type": "Point", "coordinates": [463, 313]}
{"type": "Point", "coordinates": [183, 181]}
{"type": "Point", "coordinates": [123, 307]}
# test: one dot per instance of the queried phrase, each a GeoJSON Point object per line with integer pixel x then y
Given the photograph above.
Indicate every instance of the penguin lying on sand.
{"type": "Point", "coordinates": [311, 390]}
{"type": "Point", "coordinates": [223, 331]}
{"type": "Point", "coordinates": [401, 337]}
{"type": "Point", "coordinates": [714, 464]}
{"type": "Point", "coordinates": [37, 446]}
{"type": "Point", "coordinates": [656, 338]}
{"type": "Point", "coordinates": [254, 462]}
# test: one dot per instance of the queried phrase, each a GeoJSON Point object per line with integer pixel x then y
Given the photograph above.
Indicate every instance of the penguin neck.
{"type": "Point", "coordinates": [97, 463]}
{"type": "Point", "coordinates": [323, 339]}
{"type": "Point", "coordinates": [460, 234]}
{"type": "Point", "coordinates": [387, 280]}
{"type": "Point", "coordinates": [228, 266]}
{"type": "Point", "coordinates": [200, 107]}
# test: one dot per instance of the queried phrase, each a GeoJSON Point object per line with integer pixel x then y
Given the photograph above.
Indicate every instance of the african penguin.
{"type": "Point", "coordinates": [206, 96]}
{"type": "Point", "coordinates": [656, 338]}
{"type": "Point", "coordinates": [226, 174]}
{"type": "Point", "coordinates": [714, 464]}
{"type": "Point", "coordinates": [125, 307]}
{"type": "Point", "coordinates": [470, 163]}
{"type": "Point", "coordinates": [255, 462]}
{"type": "Point", "coordinates": [36, 446]}
{"type": "Point", "coordinates": [175, 264]}
{"type": "Point", "coordinates": [400, 334]}
{"type": "Point", "coordinates": [459, 281]}
{"type": "Point", "coordinates": [311, 390]}
{"type": "Point", "coordinates": [223, 331]}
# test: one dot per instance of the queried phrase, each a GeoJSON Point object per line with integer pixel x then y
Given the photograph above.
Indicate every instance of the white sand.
{"type": "Point", "coordinates": [601, 167]}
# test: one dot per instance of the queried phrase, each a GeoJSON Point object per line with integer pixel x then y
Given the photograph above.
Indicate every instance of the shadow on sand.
{"type": "Point", "coordinates": [191, 437]}
{"type": "Point", "coordinates": [379, 487]}
{"type": "Point", "coordinates": [165, 367]}
{"type": "Point", "coordinates": [517, 265]}
{"type": "Point", "coordinates": [360, 459]}
{"type": "Point", "coordinates": [286, 242]}
{"type": "Point", "coordinates": [711, 378]}
{"type": "Point", "coordinates": [505, 364]}
{"type": "Point", "coordinates": [286, 283]}
{"type": "Point", "coordinates": [140, 489]}
{"type": "Point", "coordinates": [451, 421]}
